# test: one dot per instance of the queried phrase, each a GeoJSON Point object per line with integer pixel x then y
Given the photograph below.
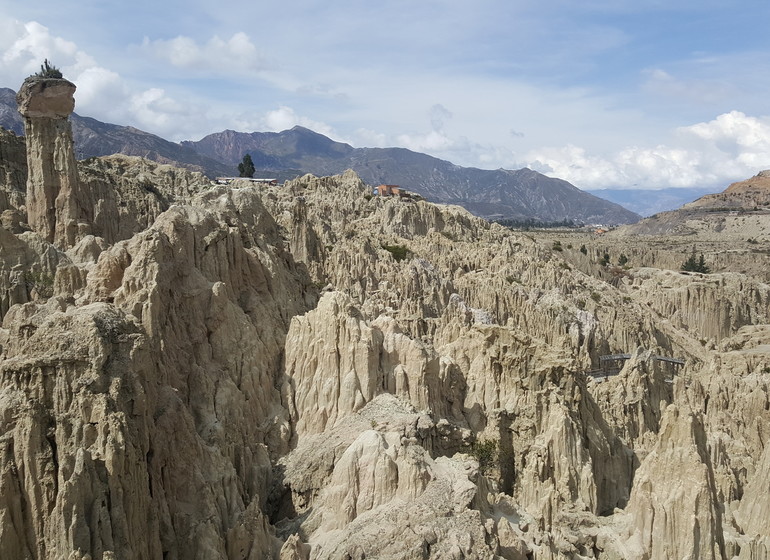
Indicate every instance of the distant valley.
{"type": "Point", "coordinates": [647, 202]}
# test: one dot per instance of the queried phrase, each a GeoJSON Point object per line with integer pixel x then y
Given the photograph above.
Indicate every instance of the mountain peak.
{"type": "Point", "coordinates": [522, 193]}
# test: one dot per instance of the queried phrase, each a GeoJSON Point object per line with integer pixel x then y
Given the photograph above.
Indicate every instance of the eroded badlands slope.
{"type": "Point", "coordinates": [307, 371]}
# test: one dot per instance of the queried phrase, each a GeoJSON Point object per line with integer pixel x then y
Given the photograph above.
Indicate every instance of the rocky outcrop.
{"type": "Point", "coordinates": [709, 306]}
{"type": "Point", "coordinates": [308, 372]}
{"type": "Point", "coordinates": [138, 442]}
{"type": "Point", "coordinates": [53, 191]}
{"type": "Point", "coordinates": [13, 171]}
{"type": "Point", "coordinates": [123, 195]}
{"type": "Point", "coordinates": [676, 516]}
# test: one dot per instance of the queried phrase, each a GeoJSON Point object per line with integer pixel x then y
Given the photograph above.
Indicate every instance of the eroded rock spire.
{"type": "Point", "coordinates": [52, 182]}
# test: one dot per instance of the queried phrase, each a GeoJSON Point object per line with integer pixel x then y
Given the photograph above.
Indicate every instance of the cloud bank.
{"type": "Point", "coordinates": [733, 145]}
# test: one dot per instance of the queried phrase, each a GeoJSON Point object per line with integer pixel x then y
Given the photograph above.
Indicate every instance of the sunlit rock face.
{"type": "Point", "coordinates": [52, 181]}
{"type": "Point", "coordinates": [310, 372]}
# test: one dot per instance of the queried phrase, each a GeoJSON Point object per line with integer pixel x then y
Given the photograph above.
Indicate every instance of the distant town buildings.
{"type": "Point", "coordinates": [389, 190]}
{"type": "Point", "coordinates": [396, 190]}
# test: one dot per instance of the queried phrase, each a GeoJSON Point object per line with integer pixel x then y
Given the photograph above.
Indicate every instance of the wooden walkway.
{"type": "Point", "coordinates": [605, 371]}
{"type": "Point", "coordinates": [614, 357]}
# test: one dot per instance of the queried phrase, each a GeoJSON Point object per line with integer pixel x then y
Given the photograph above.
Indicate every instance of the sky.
{"type": "Point", "coordinates": [643, 94]}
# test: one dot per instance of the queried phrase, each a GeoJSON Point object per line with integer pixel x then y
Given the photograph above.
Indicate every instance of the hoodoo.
{"type": "Point", "coordinates": [52, 181]}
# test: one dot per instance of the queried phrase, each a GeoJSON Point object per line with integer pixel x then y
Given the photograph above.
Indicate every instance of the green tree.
{"type": "Point", "coordinates": [246, 168]}
{"type": "Point", "coordinates": [696, 265]}
{"type": "Point", "coordinates": [702, 266]}
{"type": "Point", "coordinates": [622, 260]}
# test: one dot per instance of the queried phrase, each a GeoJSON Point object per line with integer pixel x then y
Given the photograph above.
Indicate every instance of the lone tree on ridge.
{"type": "Point", "coordinates": [246, 168]}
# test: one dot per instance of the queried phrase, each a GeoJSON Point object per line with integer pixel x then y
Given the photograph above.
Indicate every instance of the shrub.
{"type": "Point", "coordinates": [583, 249]}
{"type": "Point", "coordinates": [486, 453]}
{"type": "Point", "coordinates": [557, 246]}
{"type": "Point", "coordinates": [399, 252]}
{"type": "Point", "coordinates": [48, 70]}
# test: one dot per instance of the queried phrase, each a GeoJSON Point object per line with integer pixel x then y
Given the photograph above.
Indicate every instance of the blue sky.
{"type": "Point", "coordinates": [605, 94]}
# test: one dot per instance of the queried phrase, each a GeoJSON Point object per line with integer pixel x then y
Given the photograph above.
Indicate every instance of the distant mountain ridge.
{"type": "Point", "coordinates": [493, 194]}
{"type": "Point", "coordinates": [94, 138]}
{"type": "Point", "coordinates": [741, 210]}
{"type": "Point", "coordinates": [500, 193]}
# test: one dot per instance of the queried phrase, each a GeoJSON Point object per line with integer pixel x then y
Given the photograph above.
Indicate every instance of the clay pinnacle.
{"type": "Point", "coordinates": [52, 182]}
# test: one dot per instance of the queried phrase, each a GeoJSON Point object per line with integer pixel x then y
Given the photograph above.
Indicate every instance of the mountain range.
{"type": "Point", "coordinates": [521, 194]}
{"type": "Point", "coordinates": [739, 212]}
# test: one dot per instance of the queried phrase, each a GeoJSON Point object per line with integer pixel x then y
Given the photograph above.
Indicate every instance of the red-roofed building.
{"type": "Point", "coordinates": [388, 190]}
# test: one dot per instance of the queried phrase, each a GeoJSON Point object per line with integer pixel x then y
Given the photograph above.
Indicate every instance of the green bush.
{"type": "Point", "coordinates": [399, 252]}
{"type": "Point", "coordinates": [486, 453]}
{"type": "Point", "coordinates": [48, 70]}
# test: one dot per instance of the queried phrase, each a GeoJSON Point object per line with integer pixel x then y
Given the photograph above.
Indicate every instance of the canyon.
{"type": "Point", "coordinates": [308, 371]}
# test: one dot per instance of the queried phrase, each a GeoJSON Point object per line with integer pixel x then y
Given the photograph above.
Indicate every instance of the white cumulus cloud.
{"type": "Point", "coordinates": [24, 46]}
{"type": "Point", "coordinates": [713, 153]}
{"type": "Point", "coordinates": [217, 55]}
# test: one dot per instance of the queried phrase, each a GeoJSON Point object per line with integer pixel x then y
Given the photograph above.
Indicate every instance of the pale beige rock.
{"type": "Point", "coordinates": [434, 406]}
{"type": "Point", "coordinates": [50, 98]}
{"type": "Point", "coordinates": [123, 195]}
{"type": "Point", "coordinates": [295, 549]}
{"type": "Point", "coordinates": [53, 191]}
{"type": "Point", "coordinates": [13, 171]}
{"type": "Point", "coordinates": [191, 456]}
{"type": "Point", "coordinates": [755, 507]}
{"type": "Point", "coordinates": [673, 511]}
